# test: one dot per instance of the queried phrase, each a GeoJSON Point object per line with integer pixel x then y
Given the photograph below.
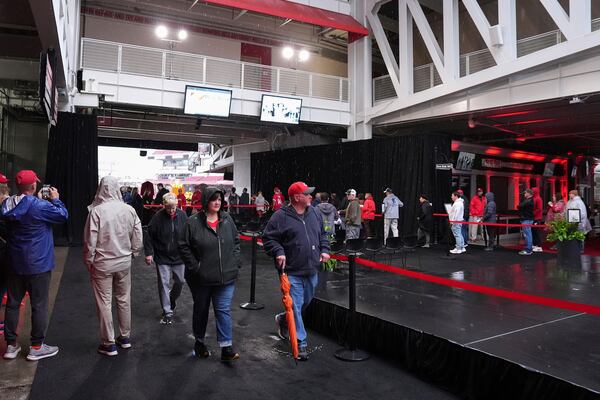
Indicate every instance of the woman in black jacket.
{"type": "Point", "coordinates": [210, 248]}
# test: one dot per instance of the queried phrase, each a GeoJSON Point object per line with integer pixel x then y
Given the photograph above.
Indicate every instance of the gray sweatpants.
{"type": "Point", "coordinates": [167, 296]}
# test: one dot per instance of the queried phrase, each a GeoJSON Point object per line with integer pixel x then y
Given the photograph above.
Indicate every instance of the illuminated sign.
{"type": "Point", "coordinates": [492, 163]}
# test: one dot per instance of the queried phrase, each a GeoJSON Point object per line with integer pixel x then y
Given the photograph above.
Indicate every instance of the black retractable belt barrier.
{"type": "Point", "coordinates": [252, 305]}
{"type": "Point", "coordinates": [351, 353]}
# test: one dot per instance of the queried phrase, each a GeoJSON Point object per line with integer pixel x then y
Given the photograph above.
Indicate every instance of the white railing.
{"type": "Point", "coordinates": [130, 59]}
{"type": "Point", "coordinates": [426, 76]}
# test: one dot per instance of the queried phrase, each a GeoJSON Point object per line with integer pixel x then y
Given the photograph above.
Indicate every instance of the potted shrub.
{"type": "Point", "coordinates": [568, 239]}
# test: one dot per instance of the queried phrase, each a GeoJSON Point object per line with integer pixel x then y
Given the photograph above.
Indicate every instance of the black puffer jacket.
{"type": "Point", "coordinates": [211, 258]}
{"type": "Point", "coordinates": [162, 235]}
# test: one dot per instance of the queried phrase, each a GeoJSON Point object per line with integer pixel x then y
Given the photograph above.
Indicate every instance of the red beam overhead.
{"type": "Point", "coordinates": [299, 12]}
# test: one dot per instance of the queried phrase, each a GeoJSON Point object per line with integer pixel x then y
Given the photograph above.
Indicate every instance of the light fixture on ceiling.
{"type": "Point", "coordinates": [303, 55]}
{"type": "Point", "coordinates": [182, 34]}
{"type": "Point", "coordinates": [287, 52]}
{"type": "Point", "coordinates": [161, 31]}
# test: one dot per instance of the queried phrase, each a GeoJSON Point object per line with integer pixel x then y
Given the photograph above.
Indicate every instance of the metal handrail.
{"type": "Point", "coordinates": [273, 78]}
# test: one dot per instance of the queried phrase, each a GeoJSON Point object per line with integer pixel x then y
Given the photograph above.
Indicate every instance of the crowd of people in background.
{"type": "Point", "coordinates": [196, 241]}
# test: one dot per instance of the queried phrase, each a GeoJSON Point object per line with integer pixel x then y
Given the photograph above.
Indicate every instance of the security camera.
{"type": "Point", "coordinates": [576, 100]}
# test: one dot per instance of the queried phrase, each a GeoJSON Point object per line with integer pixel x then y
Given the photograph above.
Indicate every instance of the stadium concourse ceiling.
{"type": "Point", "coordinates": [557, 126]}
{"type": "Point", "coordinates": [167, 125]}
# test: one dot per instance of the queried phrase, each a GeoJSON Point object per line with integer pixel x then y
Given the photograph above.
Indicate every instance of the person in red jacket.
{"type": "Point", "coordinates": [181, 199]}
{"type": "Point", "coordinates": [197, 199]}
{"type": "Point", "coordinates": [476, 206]}
{"type": "Point", "coordinates": [278, 199]}
{"type": "Point", "coordinates": [368, 215]}
{"type": "Point", "coordinates": [538, 219]}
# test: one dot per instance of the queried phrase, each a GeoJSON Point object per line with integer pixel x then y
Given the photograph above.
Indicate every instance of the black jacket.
{"type": "Point", "coordinates": [211, 258]}
{"type": "Point", "coordinates": [300, 238]}
{"type": "Point", "coordinates": [466, 208]}
{"type": "Point", "coordinates": [161, 237]}
{"type": "Point", "coordinates": [425, 216]}
{"type": "Point", "coordinates": [159, 196]}
{"type": "Point", "coordinates": [526, 209]}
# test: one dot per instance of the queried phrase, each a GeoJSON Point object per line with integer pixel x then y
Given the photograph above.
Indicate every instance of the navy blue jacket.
{"type": "Point", "coordinates": [300, 238]}
{"type": "Point", "coordinates": [30, 241]}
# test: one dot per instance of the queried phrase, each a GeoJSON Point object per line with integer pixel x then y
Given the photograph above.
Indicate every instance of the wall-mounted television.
{"type": "Point", "coordinates": [283, 110]}
{"type": "Point", "coordinates": [207, 101]}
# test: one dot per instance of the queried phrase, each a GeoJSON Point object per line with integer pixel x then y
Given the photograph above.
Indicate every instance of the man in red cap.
{"type": "Point", "coordinates": [31, 251]}
{"type": "Point", "coordinates": [295, 237]}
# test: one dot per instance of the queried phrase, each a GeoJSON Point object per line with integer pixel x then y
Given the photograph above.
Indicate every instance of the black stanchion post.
{"type": "Point", "coordinates": [352, 353]}
{"type": "Point", "coordinates": [252, 305]}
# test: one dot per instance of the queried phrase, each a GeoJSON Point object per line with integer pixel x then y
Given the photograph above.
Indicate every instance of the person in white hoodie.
{"type": "Point", "coordinates": [576, 203]}
{"type": "Point", "coordinates": [455, 216]}
{"type": "Point", "coordinates": [112, 234]}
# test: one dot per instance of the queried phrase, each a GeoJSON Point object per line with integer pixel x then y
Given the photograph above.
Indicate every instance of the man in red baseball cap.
{"type": "Point", "coordinates": [29, 221]}
{"type": "Point", "coordinates": [295, 237]}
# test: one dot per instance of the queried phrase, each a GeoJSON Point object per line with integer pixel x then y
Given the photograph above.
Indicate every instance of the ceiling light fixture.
{"type": "Point", "coordinates": [161, 31]}
{"type": "Point", "coordinates": [287, 52]}
{"type": "Point", "coordinates": [182, 34]}
{"type": "Point", "coordinates": [304, 55]}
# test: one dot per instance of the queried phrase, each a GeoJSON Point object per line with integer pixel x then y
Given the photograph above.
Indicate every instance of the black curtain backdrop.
{"type": "Point", "coordinates": [404, 163]}
{"type": "Point", "coordinates": [73, 169]}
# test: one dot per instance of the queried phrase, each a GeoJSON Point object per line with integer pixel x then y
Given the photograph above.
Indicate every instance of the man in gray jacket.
{"type": "Point", "coordinates": [391, 213]}
{"type": "Point", "coordinates": [112, 234]}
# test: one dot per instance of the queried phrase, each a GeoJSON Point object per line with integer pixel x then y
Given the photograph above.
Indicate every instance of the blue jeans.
{"type": "Point", "coordinates": [527, 234]}
{"type": "Point", "coordinates": [302, 291]}
{"type": "Point", "coordinates": [458, 235]}
{"type": "Point", "coordinates": [464, 229]}
{"type": "Point", "coordinates": [221, 297]}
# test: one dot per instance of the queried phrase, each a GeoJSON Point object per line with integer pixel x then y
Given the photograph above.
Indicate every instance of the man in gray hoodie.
{"type": "Point", "coordinates": [391, 213]}
{"type": "Point", "coordinates": [112, 234]}
{"type": "Point", "coordinates": [329, 214]}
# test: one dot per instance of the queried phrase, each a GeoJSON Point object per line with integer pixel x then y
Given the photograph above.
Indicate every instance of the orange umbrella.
{"type": "Point", "coordinates": [288, 303]}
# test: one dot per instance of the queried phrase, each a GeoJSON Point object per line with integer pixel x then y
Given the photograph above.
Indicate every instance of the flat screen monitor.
{"type": "Point", "coordinates": [283, 110]}
{"type": "Point", "coordinates": [207, 101]}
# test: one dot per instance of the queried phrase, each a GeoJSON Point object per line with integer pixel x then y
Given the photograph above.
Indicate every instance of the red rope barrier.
{"type": "Point", "coordinates": [490, 223]}
{"type": "Point", "coordinates": [471, 287]}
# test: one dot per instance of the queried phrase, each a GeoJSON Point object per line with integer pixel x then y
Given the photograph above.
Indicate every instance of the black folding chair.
{"type": "Point", "coordinates": [373, 246]}
{"type": "Point", "coordinates": [336, 247]}
{"type": "Point", "coordinates": [393, 245]}
{"type": "Point", "coordinates": [355, 246]}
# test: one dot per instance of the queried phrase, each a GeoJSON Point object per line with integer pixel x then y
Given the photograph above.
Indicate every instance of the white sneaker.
{"type": "Point", "coordinates": [12, 352]}
{"type": "Point", "coordinates": [537, 249]}
{"type": "Point", "coordinates": [44, 351]}
{"type": "Point", "coordinates": [455, 251]}
{"type": "Point", "coordinates": [463, 250]}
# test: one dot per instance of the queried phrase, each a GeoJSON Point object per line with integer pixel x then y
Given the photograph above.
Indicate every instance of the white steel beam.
{"type": "Point", "coordinates": [544, 56]}
{"type": "Point", "coordinates": [405, 49]}
{"type": "Point", "coordinates": [433, 47]}
{"type": "Point", "coordinates": [581, 16]}
{"type": "Point", "coordinates": [483, 26]}
{"type": "Point", "coordinates": [384, 46]}
{"type": "Point", "coordinates": [451, 39]}
{"type": "Point", "coordinates": [560, 17]}
{"type": "Point", "coordinates": [507, 19]}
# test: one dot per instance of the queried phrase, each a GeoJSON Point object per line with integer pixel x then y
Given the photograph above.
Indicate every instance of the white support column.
{"type": "Point", "coordinates": [431, 43]}
{"type": "Point", "coordinates": [406, 62]}
{"type": "Point", "coordinates": [581, 16]}
{"type": "Point", "coordinates": [507, 19]}
{"type": "Point", "coordinates": [360, 78]}
{"type": "Point", "coordinates": [242, 174]}
{"type": "Point", "coordinates": [451, 39]}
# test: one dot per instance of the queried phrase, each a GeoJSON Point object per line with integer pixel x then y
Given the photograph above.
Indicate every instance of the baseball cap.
{"type": "Point", "coordinates": [528, 191]}
{"type": "Point", "coordinates": [388, 190]}
{"type": "Point", "coordinates": [3, 179]}
{"type": "Point", "coordinates": [299, 188]}
{"type": "Point", "coordinates": [479, 189]}
{"type": "Point", "coordinates": [351, 191]}
{"type": "Point", "coordinates": [460, 191]}
{"type": "Point", "coordinates": [26, 177]}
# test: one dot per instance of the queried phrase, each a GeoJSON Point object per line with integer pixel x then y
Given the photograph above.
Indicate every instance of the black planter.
{"type": "Point", "coordinates": [569, 252]}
